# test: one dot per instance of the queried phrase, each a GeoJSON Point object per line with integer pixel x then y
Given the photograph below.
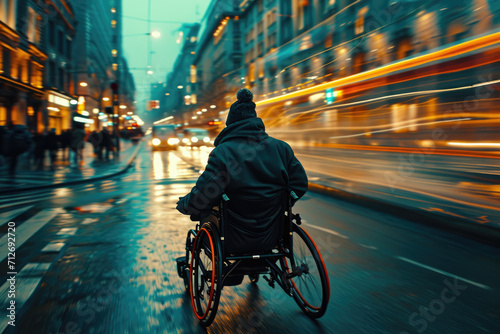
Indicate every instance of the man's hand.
{"type": "Point", "coordinates": [180, 206]}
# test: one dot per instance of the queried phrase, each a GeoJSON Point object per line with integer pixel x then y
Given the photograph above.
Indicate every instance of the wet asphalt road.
{"type": "Point", "coordinates": [103, 261]}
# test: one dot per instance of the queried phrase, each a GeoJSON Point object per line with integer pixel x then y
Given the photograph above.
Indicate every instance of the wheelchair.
{"type": "Point", "coordinates": [282, 252]}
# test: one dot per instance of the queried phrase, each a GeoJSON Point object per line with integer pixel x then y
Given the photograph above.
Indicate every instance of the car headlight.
{"type": "Point", "coordinates": [173, 141]}
{"type": "Point", "coordinates": [194, 140]}
{"type": "Point", "coordinates": [206, 139]}
{"type": "Point", "coordinates": [156, 141]}
{"type": "Point", "coordinates": [185, 140]}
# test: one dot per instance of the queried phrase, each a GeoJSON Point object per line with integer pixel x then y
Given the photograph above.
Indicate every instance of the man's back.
{"type": "Point", "coordinates": [257, 164]}
{"type": "Point", "coordinates": [246, 164]}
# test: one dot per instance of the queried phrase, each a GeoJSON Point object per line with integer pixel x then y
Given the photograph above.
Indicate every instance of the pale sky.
{"type": "Point", "coordinates": [135, 47]}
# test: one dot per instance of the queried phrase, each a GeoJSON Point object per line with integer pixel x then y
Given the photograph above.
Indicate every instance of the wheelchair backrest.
{"type": "Point", "coordinates": [253, 226]}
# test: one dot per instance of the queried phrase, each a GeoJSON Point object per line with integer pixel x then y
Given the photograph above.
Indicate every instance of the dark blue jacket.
{"type": "Point", "coordinates": [248, 165]}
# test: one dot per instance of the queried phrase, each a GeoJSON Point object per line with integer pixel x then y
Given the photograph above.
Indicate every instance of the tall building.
{"type": "Point", "coordinates": [218, 60]}
{"type": "Point", "coordinates": [22, 62]}
{"type": "Point", "coordinates": [95, 55]}
{"type": "Point", "coordinates": [58, 35]}
{"type": "Point", "coordinates": [178, 94]}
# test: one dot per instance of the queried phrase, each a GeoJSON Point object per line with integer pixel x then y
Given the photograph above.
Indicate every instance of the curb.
{"type": "Point", "coordinates": [69, 183]}
{"type": "Point", "coordinates": [484, 234]}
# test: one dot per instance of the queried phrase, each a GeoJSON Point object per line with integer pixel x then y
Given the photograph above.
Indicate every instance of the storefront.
{"type": "Point", "coordinates": [58, 111]}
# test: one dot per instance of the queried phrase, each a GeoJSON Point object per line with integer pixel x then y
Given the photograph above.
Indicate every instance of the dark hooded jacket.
{"type": "Point", "coordinates": [247, 165]}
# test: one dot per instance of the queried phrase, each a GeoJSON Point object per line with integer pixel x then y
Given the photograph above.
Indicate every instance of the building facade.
{"type": "Point", "coordinates": [276, 47]}
{"type": "Point", "coordinates": [22, 62]}
{"type": "Point", "coordinates": [58, 33]}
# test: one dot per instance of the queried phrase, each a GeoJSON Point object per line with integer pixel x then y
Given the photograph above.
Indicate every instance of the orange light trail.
{"type": "Point", "coordinates": [449, 52]}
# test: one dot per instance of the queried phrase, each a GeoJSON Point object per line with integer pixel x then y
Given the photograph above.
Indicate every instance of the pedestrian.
{"type": "Point", "coordinates": [254, 170]}
{"type": "Point", "coordinates": [64, 139]}
{"type": "Point", "coordinates": [76, 144]}
{"type": "Point", "coordinates": [51, 145]}
{"type": "Point", "coordinates": [39, 150]}
{"type": "Point", "coordinates": [106, 142]}
{"type": "Point", "coordinates": [15, 142]}
{"type": "Point", "coordinates": [95, 139]}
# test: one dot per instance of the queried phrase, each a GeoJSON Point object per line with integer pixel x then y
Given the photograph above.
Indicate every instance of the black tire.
{"type": "Point", "coordinates": [311, 289]}
{"type": "Point", "coordinates": [205, 273]}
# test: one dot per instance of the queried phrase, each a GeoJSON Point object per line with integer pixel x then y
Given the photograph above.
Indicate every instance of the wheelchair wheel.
{"type": "Point", "coordinates": [311, 288]}
{"type": "Point", "coordinates": [204, 274]}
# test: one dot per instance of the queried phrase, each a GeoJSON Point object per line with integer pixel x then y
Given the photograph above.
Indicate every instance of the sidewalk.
{"type": "Point", "coordinates": [64, 173]}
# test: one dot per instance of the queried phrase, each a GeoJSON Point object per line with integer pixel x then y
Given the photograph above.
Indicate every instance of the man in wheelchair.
{"type": "Point", "coordinates": [254, 179]}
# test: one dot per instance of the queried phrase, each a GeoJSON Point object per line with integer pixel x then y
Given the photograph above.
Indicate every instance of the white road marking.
{"type": "Point", "coordinates": [28, 228]}
{"type": "Point", "coordinates": [325, 230]}
{"type": "Point", "coordinates": [27, 281]}
{"type": "Point", "coordinates": [369, 247]}
{"type": "Point", "coordinates": [88, 221]}
{"type": "Point", "coordinates": [7, 216]}
{"type": "Point", "coordinates": [53, 247]}
{"type": "Point", "coordinates": [67, 231]}
{"type": "Point", "coordinates": [18, 203]}
{"type": "Point", "coordinates": [479, 285]}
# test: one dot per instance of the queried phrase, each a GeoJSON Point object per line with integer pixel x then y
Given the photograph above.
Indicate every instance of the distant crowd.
{"type": "Point", "coordinates": [17, 140]}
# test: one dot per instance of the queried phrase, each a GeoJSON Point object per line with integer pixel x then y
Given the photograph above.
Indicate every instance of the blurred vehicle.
{"type": "Point", "coordinates": [133, 132]}
{"type": "Point", "coordinates": [196, 137]}
{"type": "Point", "coordinates": [164, 137]}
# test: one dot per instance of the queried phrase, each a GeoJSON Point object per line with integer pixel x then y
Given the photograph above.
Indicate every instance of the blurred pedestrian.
{"type": "Point", "coordinates": [76, 144]}
{"type": "Point", "coordinates": [95, 139]}
{"type": "Point", "coordinates": [51, 145]}
{"type": "Point", "coordinates": [106, 142]}
{"type": "Point", "coordinates": [64, 139]}
{"type": "Point", "coordinates": [15, 142]}
{"type": "Point", "coordinates": [39, 150]}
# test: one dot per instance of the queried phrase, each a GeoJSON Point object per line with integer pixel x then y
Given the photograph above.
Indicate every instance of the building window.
{"type": "Point", "coordinates": [60, 41]}
{"type": "Point", "coordinates": [359, 27]}
{"type": "Point", "coordinates": [33, 20]}
{"type": "Point", "coordinates": [52, 33]}
{"type": "Point", "coordinates": [192, 72]}
{"type": "Point", "coordinates": [113, 23]}
{"type": "Point", "coordinates": [68, 48]}
{"type": "Point", "coordinates": [8, 12]}
{"type": "Point", "coordinates": [260, 6]}
{"type": "Point", "coordinates": [271, 17]}
{"type": "Point", "coordinates": [271, 40]}
{"type": "Point", "coordinates": [1, 60]}
{"type": "Point", "coordinates": [260, 27]}
{"type": "Point", "coordinates": [260, 49]}
{"type": "Point", "coordinates": [61, 79]}
{"type": "Point", "coordinates": [114, 52]}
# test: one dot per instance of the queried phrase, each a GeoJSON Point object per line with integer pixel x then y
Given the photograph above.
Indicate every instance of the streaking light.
{"type": "Point", "coordinates": [452, 143]}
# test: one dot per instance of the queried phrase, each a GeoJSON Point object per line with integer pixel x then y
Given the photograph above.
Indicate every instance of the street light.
{"type": "Point", "coordinates": [155, 34]}
{"type": "Point", "coordinates": [180, 86]}
{"type": "Point", "coordinates": [213, 106]}
{"type": "Point", "coordinates": [83, 84]}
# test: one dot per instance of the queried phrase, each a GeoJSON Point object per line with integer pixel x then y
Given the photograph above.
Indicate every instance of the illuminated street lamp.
{"type": "Point", "coordinates": [180, 86]}
{"type": "Point", "coordinates": [83, 84]}
{"type": "Point", "coordinates": [155, 34]}
{"type": "Point", "coordinates": [123, 106]}
{"type": "Point", "coordinates": [213, 106]}
{"type": "Point", "coordinates": [105, 99]}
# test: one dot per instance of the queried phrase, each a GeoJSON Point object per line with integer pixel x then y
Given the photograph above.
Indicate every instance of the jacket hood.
{"type": "Point", "coordinates": [252, 129]}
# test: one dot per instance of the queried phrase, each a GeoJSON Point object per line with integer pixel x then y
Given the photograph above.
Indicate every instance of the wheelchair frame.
{"type": "Point", "coordinates": [224, 267]}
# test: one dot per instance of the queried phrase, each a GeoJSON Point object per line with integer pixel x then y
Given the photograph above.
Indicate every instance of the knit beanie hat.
{"type": "Point", "coordinates": [243, 108]}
